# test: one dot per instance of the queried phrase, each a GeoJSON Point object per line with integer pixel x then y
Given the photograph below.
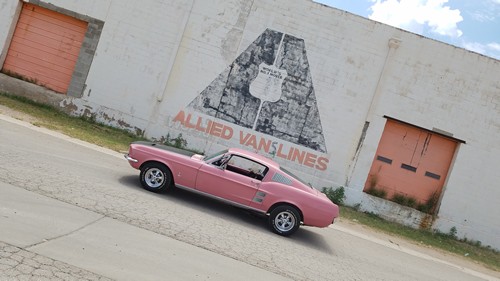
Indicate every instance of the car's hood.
{"type": "Point", "coordinates": [165, 147]}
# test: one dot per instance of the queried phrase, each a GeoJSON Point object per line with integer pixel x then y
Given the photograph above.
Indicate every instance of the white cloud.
{"type": "Point", "coordinates": [494, 46]}
{"type": "Point", "coordinates": [487, 11]}
{"type": "Point", "coordinates": [482, 16]}
{"type": "Point", "coordinates": [491, 49]}
{"type": "Point", "coordinates": [416, 15]}
{"type": "Point", "coordinates": [475, 47]}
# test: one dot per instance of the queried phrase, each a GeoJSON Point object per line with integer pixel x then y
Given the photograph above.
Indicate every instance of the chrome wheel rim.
{"type": "Point", "coordinates": [154, 177]}
{"type": "Point", "coordinates": [284, 221]}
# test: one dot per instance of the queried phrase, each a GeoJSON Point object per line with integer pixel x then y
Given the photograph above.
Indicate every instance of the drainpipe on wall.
{"type": "Point", "coordinates": [171, 63]}
{"type": "Point", "coordinates": [393, 46]}
{"type": "Point", "coordinates": [10, 34]}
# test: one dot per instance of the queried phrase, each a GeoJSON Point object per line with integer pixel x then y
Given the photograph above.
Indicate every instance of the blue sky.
{"type": "Point", "coordinates": [470, 24]}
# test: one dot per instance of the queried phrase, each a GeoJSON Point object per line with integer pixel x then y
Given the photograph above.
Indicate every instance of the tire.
{"type": "Point", "coordinates": [284, 220]}
{"type": "Point", "coordinates": [156, 177]}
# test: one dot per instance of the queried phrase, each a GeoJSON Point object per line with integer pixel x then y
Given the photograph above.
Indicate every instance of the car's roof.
{"type": "Point", "coordinates": [254, 156]}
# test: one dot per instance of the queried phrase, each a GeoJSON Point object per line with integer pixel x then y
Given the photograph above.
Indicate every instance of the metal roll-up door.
{"type": "Point", "coordinates": [45, 47]}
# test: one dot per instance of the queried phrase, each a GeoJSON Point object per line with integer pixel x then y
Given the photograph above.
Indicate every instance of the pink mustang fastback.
{"type": "Point", "coordinates": [237, 177]}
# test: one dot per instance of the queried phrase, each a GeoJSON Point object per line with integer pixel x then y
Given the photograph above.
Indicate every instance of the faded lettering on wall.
{"type": "Point", "coordinates": [252, 141]}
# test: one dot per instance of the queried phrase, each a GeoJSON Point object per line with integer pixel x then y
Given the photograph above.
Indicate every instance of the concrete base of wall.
{"type": "Point", "coordinates": [394, 212]}
{"type": "Point", "coordinates": [31, 91]}
{"type": "Point", "coordinates": [388, 210]}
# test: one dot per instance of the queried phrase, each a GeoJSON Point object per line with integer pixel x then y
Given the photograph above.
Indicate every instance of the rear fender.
{"type": "Point", "coordinates": [283, 204]}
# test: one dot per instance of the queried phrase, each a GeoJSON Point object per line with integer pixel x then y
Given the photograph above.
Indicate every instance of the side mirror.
{"type": "Point", "coordinates": [223, 161]}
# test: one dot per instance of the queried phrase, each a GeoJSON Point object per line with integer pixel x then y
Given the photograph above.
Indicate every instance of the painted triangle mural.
{"type": "Point", "coordinates": [268, 88]}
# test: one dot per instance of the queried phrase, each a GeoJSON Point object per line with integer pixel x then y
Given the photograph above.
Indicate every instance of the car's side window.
{"type": "Point", "coordinates": [246, 167]}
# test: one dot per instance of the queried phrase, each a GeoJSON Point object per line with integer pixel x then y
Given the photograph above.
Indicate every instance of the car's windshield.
{"type": "Point", "coordinates": [215, 155]}
{"type": "Point", "coordinates": [295, 177]}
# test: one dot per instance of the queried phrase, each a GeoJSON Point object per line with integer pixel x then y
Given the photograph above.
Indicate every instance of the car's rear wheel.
{"type": "Point", "coordinates": [155, 177]}
{"type": "Point", "coordinates": [284, 220]}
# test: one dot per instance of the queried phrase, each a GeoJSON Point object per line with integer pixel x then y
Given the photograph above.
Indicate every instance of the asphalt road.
{"type": "Point", "coordinates": [68, 208]}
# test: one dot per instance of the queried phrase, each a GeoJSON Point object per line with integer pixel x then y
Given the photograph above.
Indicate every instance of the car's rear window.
{"type": "Point", "coordinates": [294, 176]}
{"type": "Point", "coordinates": [277, 177]}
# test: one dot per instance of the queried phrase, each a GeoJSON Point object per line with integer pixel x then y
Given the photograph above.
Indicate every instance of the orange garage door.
{"type": "Point", "coordinates": [45, 47]}
{"type": "Point", "coordinates": [411, 161]}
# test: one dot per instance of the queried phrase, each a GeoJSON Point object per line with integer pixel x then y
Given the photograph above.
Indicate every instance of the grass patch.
{"type": "Point", "coordinates": [76, 127]}
{"type": "Point", "coordinates": [445, 241]}
{"type": "Point", "coordinates": [90, 131]}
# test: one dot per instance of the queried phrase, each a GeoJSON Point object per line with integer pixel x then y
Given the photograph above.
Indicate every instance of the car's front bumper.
{"type": "Point", "coordinates": [130, 159]}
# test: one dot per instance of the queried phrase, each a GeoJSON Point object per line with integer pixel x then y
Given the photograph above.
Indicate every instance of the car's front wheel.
{"type": "Point", "coordinates": [284, 220]}
{"type": "Point", "coordinates": [155, 177]}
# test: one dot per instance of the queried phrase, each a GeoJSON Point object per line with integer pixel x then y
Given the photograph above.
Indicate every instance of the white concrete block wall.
{"type": "Point", "coordinates": [471, 198]}
{"type": "Point", "coordinates": [138, 45]}
{"type": "Point", "coordinates": [451, 89]}
{"type": "Point", "coordinates": [154, 58]}
{"type": "Point", "coordinates": [201, 56]}
{"type": "Point", "coordinates": [93, 8]}
{"type": "Point", "coordinates": [9, 12]}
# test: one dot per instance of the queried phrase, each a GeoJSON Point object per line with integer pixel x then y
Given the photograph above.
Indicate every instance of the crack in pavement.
{"type": "Point", "coordinates": [65, 234]}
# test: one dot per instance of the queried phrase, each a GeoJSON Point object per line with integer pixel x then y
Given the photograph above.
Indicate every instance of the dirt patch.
{"type": "Point", "coordinates": [18, 115]}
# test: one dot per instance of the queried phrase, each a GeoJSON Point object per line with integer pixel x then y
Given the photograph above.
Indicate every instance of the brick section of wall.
{"type": "Point", "coordinates": [85, 58]}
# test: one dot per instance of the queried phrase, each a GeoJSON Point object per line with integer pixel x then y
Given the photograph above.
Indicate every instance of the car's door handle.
{"type": "Point", "coordinates": [255, 182]}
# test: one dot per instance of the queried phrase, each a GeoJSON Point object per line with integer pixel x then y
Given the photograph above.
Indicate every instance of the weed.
{"type": "Point", "coordinates": [398, 198]}
{"type": "Point", "coordinates": [377, 192]}
{"type": "Point", "coordinates": [177, 142]}
{"type": "Point", "coordinates": [373, 215]}
{"type": "Point", "coordinates": [430, 205]}
{"type": "Point", "coordinates": [22, 77]}
{"type": "Point", "coordinates": [404, 200]}
{"type": "Point", "coordinates": [357, 206]}
{"type": "Point", "coordinates": [453, 232]}
{"type": "Point", "coordinates": [337, 196]}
